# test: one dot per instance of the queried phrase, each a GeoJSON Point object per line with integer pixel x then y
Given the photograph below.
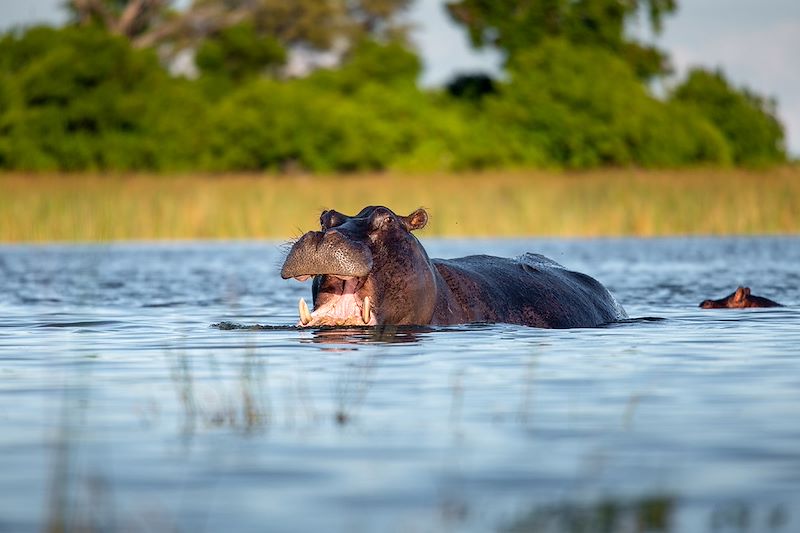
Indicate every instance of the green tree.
{"type": "Point", "coordinates": [515, 26]}
{"type": "Point", "coordinates": [81, 99]}
{"type": "Point", "coordinates": [276, 125]}
{"type": "Point", "coordinates": [133, 19]}
{"type": "Point", "coordinates": [311, 24]}
{"type": "Point", "coordinates": [583, 107]}
{"type": "Point", "coordinates": [88, 97]}
{"type": "Point", "coordinates": [238, 52]}
{"type": "Point", "coordinates": [371, 62]}
{"type": "Point", "coordinates": [748, 121]}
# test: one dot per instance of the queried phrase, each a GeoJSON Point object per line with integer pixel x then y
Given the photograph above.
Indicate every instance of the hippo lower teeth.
{"type": "Point", "coordinates": [365, 310]}
{"type": "Point", "coordinates": [305, 314]}
{"type": "Point", "coordinates": [343, 309]}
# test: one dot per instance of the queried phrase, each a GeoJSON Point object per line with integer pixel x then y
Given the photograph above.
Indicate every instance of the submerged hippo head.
{"type": "Point", "coordinates": [739, 299]}
{"type": "Point", "coordinates": [368, 269]}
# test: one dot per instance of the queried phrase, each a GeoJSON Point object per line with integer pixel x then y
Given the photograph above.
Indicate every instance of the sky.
{"type": "Point", "coordinates": [755, 42]}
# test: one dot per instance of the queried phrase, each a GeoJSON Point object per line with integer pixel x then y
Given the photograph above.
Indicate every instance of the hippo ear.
{"type": "Point", "coordinates": [416, 220]}
{"type": "Point", "coordinates": [740, 294]}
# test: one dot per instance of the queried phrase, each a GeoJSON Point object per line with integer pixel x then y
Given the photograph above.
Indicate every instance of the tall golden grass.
{"type": "Point", "coordinates": [607, 202]}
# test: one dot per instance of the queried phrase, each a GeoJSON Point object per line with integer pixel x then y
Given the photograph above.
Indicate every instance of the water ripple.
{"type": "Point", "coordinates": [166, 387]}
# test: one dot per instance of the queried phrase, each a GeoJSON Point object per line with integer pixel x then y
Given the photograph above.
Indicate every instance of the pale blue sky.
{"type": "Point", "coordinates": [756, 42]}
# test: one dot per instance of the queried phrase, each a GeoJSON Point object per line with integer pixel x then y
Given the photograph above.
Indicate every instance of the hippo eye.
{"type": "Point", "coordinates": [380, 218]}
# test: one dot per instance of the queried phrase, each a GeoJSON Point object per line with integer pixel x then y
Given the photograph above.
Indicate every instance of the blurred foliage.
{"type": "Point", "coordinates": [651, 514]}
{"type": "Point", "coordinates": [516, 27]}
{"type": "Point", "coordinates": [748, 121]}
{"type": "Point", "coordinates": [238, 52]}
{"type": "Point", "coordinates": [369, 62]}
{"type": "Point", "coordinates": [82, 99]}
{"type": "Point", "coordinates": [132, 19]}
{"type": "Point", "coordinates": [611, 120]}
{"type": "Point", "coordinates": [88, 97]}
{"type": "Point", "coordinates": [309, 23]}
{"type": "Point", "coordinates": [471, 86]}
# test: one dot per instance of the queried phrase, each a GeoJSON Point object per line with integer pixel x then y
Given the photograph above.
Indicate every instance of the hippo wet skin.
{"type": "Point", "coordinates": [739, 299]}
{"type": "Point", "coordinates": [369, 269]}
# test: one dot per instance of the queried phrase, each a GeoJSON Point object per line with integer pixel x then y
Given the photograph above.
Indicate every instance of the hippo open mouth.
{"type": "Point", "coordinates": [338, 303]}
{"type": "Point", "coordinates": [340, 266]}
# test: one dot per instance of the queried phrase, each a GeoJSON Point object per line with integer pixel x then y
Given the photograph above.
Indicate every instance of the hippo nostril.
{"type": "Point", "coordinates": [329, 252]}
{"type": "Point", "coordinates": [330, 218]}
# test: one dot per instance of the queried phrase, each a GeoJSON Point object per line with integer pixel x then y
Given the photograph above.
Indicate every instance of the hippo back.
{"type": "Point", "coordinates": [530, 290]}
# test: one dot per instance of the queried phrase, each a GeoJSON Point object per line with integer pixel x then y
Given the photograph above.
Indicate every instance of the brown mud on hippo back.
{"type": "Point", "coordinates": [369, 269]}
{"type": "Point", "coordinates": [739, 299]}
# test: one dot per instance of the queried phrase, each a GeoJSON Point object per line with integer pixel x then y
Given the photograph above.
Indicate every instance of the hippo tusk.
{"type": "Point", "coordinates": [365, 310]}
{"type": "Point", "coordinates": [305, 315]}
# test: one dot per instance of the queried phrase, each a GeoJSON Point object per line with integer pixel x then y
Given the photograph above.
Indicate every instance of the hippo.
{"type": "Point", "coordinates": [370, 270]}
{"type": "Point", "coordinates": [739, 299]}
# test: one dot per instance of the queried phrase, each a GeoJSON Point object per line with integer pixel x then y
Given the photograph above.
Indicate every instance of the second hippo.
{"type": "Point", "coordinates": [739, 299]}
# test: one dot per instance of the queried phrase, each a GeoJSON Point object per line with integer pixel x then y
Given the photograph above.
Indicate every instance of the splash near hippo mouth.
{"type": "Point", "coordinates": [339, 304]}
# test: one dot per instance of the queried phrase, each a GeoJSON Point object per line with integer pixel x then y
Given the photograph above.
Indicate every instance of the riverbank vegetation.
{"type": "Point", "coordinates": [107, 93]}
{"type": "Point", "coordinates": [242, 119]}
{"type": "Point", "coordinates": [36, 208]}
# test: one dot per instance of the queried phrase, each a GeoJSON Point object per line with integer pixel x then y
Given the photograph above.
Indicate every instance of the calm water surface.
{"type": "Point", "coordinates": [121, 408]}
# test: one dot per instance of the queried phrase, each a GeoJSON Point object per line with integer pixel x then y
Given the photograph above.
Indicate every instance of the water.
{"type": "Point", "coordinates": [122, 409]}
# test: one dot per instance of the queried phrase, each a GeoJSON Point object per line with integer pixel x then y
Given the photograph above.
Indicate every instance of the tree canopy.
{"type": "Point", "coordinates": [312, 23]}
{"type": "Point", "coordinates": [749, 122]}
{"type": "Point", "coordinates": [515, 26]}
{"type": "Point", "coordinates": [97, 94]}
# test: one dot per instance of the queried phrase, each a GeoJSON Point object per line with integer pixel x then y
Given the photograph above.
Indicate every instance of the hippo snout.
{"type": "Point", "coordinates": [330, 252]}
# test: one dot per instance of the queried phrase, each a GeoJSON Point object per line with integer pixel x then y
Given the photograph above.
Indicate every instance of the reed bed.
{"type": "Point", "coordinates": [35, 208]}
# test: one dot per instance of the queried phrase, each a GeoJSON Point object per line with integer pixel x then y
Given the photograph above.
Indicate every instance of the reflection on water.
{"type": "Point", "coordinates": [652, 514]}
{"type": "Point", "coordinates": [350, 334]}
{"type": "Point", "coordinates": [241, 408]}
{"type": "Point", "coordinates": [121, 409]}
{"type": "Point", "coordinates": [372, 335]}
